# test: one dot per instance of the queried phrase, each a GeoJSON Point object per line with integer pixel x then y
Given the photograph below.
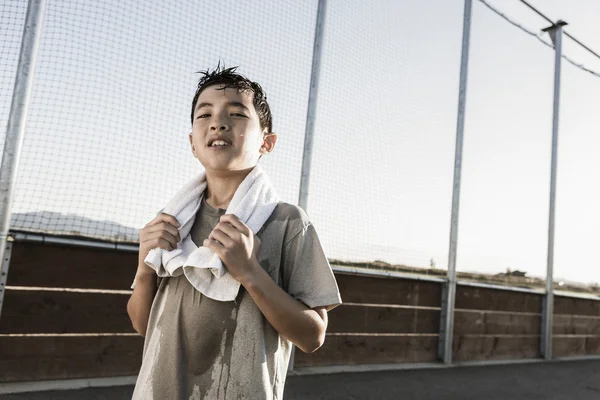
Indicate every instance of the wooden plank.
{"type": "Point", "coordinates": [46, 358]}
{"type": "Point", "coordinates": [44, 265]}
{"type": "Point", "coordinates": [574, 306]}
{"type": "Point", "coordinates": [592, 345]}
{"type": "Point", "coordinates": [476, 348]}
{"type": "Point", "coordinates": [476, 298]}
{"type": "Point", "coordinates": [361, 319]}
{"type": "Point", "coordinates": [27, 311]}
{"type": "Point", "coordinates": [567, 346]}
{"type": "Point", "coordinates": [576, 325]}
{"type": "Point", "coordinates": [353, 350]}
{"type": "Point", "coordinates": [375, 290]}
{"type": "Point", "coordinates": [486, 322]}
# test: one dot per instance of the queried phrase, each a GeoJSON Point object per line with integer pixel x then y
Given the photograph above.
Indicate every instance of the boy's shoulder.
{"type": "Point", "coordinates": [288, 218]}
{"type": "Point", "coordinates": [289, 212]}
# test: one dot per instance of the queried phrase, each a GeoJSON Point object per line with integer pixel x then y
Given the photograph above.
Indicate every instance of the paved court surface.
{"type": "Point", "coordinates": [564, 380]}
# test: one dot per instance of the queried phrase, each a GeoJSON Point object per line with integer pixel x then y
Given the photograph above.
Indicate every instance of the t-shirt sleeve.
{"type": "Point", "coordinates": [307, 275]}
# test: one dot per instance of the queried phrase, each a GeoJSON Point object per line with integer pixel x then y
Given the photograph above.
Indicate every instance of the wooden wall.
{"type": "Point", "coordinates": [65, 317]}
{"type": "Point", "coordinates": [381, 321]}
{"type": "Point", "coordinates": [576, 327]}
{"type": "Point", "coordinates": [50, 331]}
{"type": "Point", "coordinates": [491, 324]}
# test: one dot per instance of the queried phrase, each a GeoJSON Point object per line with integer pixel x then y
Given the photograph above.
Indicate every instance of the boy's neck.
{"type": "Point", "coordinates": [221, 186]}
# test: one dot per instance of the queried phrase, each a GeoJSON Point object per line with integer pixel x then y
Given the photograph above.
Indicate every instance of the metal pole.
{"type": "Point", "coordinates": [310, 120]}
{"type": "Point", "coordinates": [449, 289]}
{"type": "Point", "coordinates": [312, 106]}
{"type": "Point", "coordinates": [555, 32]}
{"type": "Point", "coordinates": [16, 125]}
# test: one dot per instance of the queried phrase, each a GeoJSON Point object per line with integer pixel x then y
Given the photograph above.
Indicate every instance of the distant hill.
{"type": "Point", "coordinates": [55, 223]}
{"type": "Point", "coordinates": [516, 279]}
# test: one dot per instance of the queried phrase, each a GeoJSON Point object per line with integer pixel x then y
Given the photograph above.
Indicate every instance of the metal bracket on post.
{"type": "Point", "coordinates": [443, 318]}
{"type": "Point", "coordinates": [547, 323]}
{"type": "Point", "coordinates": [449, 289]}
{"type": "Point", "coordinates": [552, 31]}
{"type": "Point", "coordinates": [555, 31]}
{"type": "Point", "coordinates": [4, 272]}
{"type": "Point", "coordinates": [310, 121]}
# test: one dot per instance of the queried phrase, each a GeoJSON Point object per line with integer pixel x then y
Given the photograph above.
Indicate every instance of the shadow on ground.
{"type": "Point", "coordinates": [564, 380]}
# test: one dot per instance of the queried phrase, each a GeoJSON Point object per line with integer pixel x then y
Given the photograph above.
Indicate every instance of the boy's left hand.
{"type": "Point", "coordinates": [236, 245]}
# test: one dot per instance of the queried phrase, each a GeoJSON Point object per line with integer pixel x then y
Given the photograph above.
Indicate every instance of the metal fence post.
{"type": "Point", "coordinates": [555, 32]}
{"type": "Point", "coordinates": [15, 128]}
{"type": "Point", "coordinates": [312, 105]}
{"type": "Point", "coordinates": [449, 288]}
{"type": "Point", "coordinates": [310, 118]}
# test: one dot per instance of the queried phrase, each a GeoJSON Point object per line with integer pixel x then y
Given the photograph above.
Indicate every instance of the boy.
{"type": "Point", "coordinates": [200, 348]}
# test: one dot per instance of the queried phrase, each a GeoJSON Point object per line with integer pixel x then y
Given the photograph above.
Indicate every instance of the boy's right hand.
{"type": "Point", "coordinates": [161, 232]}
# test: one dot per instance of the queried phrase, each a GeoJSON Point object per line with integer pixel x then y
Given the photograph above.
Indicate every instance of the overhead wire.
{"type": "Point", "coordinates": [538, 36]}
{"type": "Point", "coordinates": [538, 12]}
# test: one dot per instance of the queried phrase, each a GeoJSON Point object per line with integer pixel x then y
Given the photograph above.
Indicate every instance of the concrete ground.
{"type": "Point", "coordinates": [564, 380]}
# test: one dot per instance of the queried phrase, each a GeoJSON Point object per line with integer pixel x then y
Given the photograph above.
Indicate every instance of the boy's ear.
{"type": "Point", "coordinates": [269, 140]}
{"type": "Point", "coordinates": [192, 144]}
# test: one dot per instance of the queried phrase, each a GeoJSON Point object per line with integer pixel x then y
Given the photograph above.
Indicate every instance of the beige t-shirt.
{"type": "Point", "coordinates": [199, 348]}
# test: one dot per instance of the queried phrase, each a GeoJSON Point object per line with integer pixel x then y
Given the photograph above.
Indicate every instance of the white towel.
{"type": "Point", "coordinates": [253, 203]}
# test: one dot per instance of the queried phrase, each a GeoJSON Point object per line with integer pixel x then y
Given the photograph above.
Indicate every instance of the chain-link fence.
{"type": "Point", "coordinates": [106, 140]}
{"type": "Point", "coordinates": [506, 161]}
{"type": "Point", "coordinates": [12, 18]}
{"type": "Point", "coordinates": [578, 192]}
{"type": "Point", "coordinates": [384, 143]}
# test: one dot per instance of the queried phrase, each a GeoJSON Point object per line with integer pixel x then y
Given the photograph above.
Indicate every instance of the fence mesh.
{"type": "Point", "coordinates": [12, 20]}
{"type": "Point", "coordinates": [106, 141]}
{"type": "Point", "coordinates": [578, 181]}
{"type": "Point", "coordinates": [381, 178]}
{"type": "Point", "coordinates": [506, 161]}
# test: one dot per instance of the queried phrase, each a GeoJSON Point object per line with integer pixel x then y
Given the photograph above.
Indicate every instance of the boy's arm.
{"type": "Point", "coordinates": [160, 232]}
{"type": "Point", "coordinates": [301, 325]}
{"type": "Point", "coordinates": [237, 247]}
{"type": "Point", "coordinates": [140, 302]}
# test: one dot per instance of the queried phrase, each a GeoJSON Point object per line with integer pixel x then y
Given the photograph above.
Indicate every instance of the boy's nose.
{"type": "Point", "coordinates": [219, 127]}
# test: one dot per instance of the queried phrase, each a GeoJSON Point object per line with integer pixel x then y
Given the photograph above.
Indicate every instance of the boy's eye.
{"type": "Point", "coordinates": [203, 116]}
{"type": "Point", "coordinates": [238, 115]}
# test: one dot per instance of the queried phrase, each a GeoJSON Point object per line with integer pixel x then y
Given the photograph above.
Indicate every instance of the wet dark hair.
{"type": "Point", "coordinates": [230, 79]}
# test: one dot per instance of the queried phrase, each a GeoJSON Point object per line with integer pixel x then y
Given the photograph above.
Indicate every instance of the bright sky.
{"type": "Point", "coordinates": [108, 123]}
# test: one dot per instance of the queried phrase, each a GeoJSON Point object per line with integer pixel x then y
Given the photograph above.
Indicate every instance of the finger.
{"type": "Point", "coordinates": [170, 219]}
{"type": "Point", "coordinates": [236, 222]}
{"type": "Point", "coordinates": [229, 230]}
{"type": "Point", "coordinates": [159, 234]}
{"type": "Point", "coordinates": [164, 226]}
{"type": "Point", "coordinates": [159, 243]}
{"type": "Point", "coordinates": [163, 235]}
{"type": "Point", "coordinates": [221, 237]}
{"type": "Point", "coordinates": [214, 246]}
{"type": "Point", "coordinates": [162, 217]}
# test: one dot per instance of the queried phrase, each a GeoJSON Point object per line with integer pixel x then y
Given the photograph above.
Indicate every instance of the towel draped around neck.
{"type": "Point", "coordinates": [253, 203]}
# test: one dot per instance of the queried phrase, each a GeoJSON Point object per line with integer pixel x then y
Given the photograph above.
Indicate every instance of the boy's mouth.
{"type": "Point", "coordinates": [218, 143]}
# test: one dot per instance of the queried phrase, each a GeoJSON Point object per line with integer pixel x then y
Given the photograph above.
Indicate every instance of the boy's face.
{"type": "Point", "coordinates": [226, 133]}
